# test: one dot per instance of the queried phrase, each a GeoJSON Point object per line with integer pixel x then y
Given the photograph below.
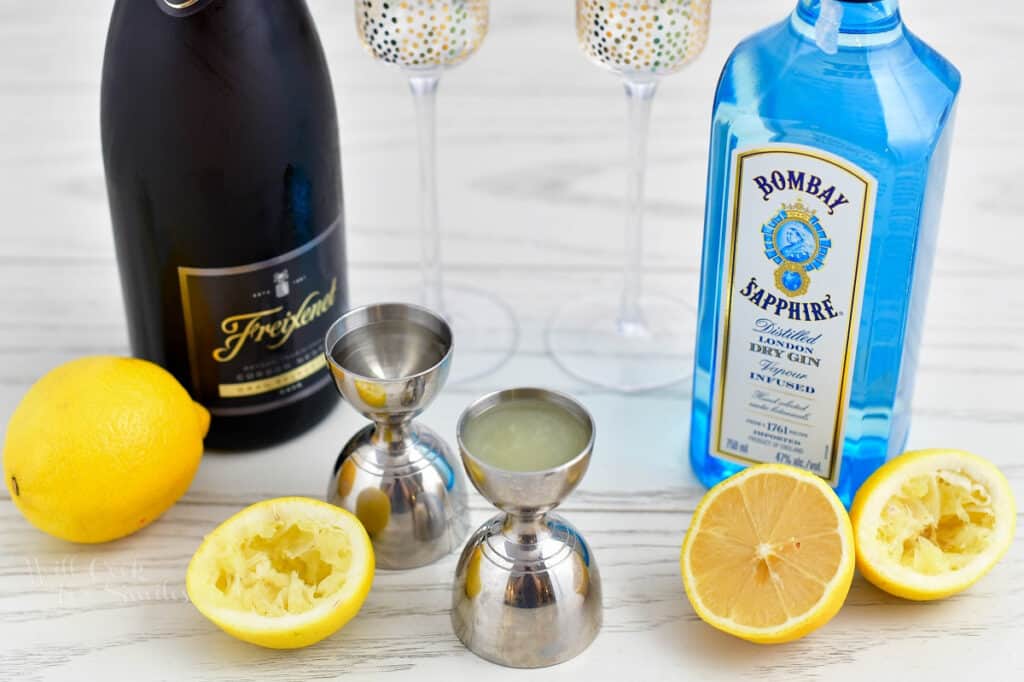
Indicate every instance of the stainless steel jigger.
{"type": "Point", "coordinates": [397, 476]}
{"type": "Point", "coordinates": [527, 591]}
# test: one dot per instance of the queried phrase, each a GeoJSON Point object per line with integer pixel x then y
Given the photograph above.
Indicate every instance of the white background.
{"type": "Point", "coordinates": [532, 143]}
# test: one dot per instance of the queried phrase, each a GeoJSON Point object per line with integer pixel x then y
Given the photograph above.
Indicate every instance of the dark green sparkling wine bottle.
{"type": "Point", "coordinates": [220, 141]}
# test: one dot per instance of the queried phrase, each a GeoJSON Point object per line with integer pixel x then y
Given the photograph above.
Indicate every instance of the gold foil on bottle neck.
{"type": "Point", "coordinates": [185, 4]}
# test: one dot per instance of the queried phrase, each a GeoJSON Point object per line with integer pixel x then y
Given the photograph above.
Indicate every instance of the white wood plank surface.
{"type": "Point", "coordinates": [532, 145]}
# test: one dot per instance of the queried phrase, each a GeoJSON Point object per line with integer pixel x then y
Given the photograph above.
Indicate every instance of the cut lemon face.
{"type": "Point", "coordinates": [930, 523]}
{"type": "Point", "coordinates": [769, 555]}
{"type": "Point", "coordinates": [283, 573]}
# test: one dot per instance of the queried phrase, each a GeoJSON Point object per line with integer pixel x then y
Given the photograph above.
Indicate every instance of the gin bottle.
{"type": "Point", "coordinates": [829, 146]}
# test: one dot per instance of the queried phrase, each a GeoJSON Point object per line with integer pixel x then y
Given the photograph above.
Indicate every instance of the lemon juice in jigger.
{"type": "Point", "coordinates": [525, 435]}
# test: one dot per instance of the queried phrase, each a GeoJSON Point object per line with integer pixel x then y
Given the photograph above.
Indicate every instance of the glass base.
{"type": "Point", "coordinates": [485, 330]}
{"type": "Point", "coordinates": [588, 340]}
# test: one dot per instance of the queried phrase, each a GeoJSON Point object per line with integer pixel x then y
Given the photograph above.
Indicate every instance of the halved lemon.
{"type": "Point", "coordinates": [930, 523]}
{"type": "Point", "coordinates": [283, 573]}
{"type": "Point", "coordinates": [769, 555]}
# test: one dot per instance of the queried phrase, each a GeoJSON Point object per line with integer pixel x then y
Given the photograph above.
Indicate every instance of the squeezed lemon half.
{"type": "Point", "coordinates": [283, 573]}
{"type": "Point", "coordinates": [930, 523]}
{"type": "Point", "coordinates": [769, 555]}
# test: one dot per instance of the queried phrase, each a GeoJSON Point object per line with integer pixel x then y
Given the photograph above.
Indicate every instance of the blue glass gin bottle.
{"type": "Point", "coordinates": [829, 146]}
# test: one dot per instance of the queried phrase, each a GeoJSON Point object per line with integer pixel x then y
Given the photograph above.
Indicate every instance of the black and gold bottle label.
{"type": "Point", "coordinates": [256, 332]}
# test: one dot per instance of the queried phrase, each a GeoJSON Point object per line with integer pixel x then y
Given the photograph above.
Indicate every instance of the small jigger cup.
{"type": "Point", "coordinates": [396, 476]}
{"type": "Point", "coordinates": [527, 591]}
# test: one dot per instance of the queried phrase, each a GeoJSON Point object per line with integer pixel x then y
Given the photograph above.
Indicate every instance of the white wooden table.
{"type": "Point", "coordinates": [532, 154]}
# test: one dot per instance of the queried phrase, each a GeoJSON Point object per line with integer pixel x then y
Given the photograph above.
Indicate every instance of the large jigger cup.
{"type": "Point", "coordinates": [395, 475]}
{"type": "Point", "coordinates": [527, 591]}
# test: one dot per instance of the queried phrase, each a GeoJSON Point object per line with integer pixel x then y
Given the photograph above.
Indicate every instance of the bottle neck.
{"type": "Point", "coordinates": [182, 8]}
{"type": "Point", "coordinates": [857, 17]}
{"type": "Point", "coordinates": [852, 22]}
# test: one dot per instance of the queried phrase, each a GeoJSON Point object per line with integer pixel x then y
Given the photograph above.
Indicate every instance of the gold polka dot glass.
{"type": "Point", "coordinates": [656, 37]}
{"type": "Point", "coordinates": [422, 34]}
{"type": "Point", "coordinates": [424, 38]}
{"type": "Point", "coordinates": [639, 340]}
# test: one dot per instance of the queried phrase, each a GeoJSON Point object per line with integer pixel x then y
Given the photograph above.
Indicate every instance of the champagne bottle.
{"type": "Point", "coordinates": [220, 143]}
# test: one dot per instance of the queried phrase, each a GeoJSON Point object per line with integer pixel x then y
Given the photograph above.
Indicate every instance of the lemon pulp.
{"type": "Point", "coordinates": [769, 555]}
{"type": "Point", "coordinates": [287, 567]}
{"type": "Point", "coordinates": [937, 522]}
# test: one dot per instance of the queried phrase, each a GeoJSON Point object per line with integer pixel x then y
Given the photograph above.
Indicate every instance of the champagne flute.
{"type": "Point", "coordinates": [643, 340]}
{"type": "Point", "coordinates": [424, 38]}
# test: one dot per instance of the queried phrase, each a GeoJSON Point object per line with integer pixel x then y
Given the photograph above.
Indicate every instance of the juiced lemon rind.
{"type": "Point", "coordinates": [245, 612]}
{"type": "Point", "coordinates": [866, 513]}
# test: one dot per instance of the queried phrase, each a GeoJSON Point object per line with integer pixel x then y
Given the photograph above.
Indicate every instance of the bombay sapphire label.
{"type": "Point", "coordinates": [796, 257]}
{"type": "Point", "coordinates": [255, 332]}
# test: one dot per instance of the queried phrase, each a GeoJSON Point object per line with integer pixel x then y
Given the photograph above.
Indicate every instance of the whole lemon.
{"type": "Point", "coordinates": [101, 446]}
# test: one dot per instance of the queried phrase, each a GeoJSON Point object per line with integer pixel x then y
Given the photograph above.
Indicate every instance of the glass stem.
{"type": "Point", "coordinates": [424, 94]}
{"type": "Point", "coordinates": [639, 97]}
